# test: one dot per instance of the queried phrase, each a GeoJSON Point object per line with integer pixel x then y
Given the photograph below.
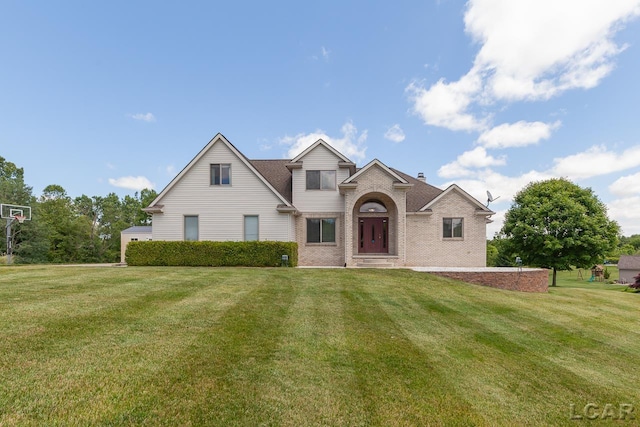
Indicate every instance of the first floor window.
{"type": "Point", "coordinates": [452, 228]}
{"type": "Point", "coordinates": [321, 230]}
{"type": "Point", "coordinates": [220, 174]}
{"type": "Point", "coordinates": [191, 227]}
{"type": "Point", "coordinates": [251, 227]}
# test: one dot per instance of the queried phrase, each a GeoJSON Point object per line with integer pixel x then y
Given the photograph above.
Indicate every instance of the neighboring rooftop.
{"type": "Point", "coordinates": [137, 229]}
{"type": "Point", "coordinates": [629, 262]}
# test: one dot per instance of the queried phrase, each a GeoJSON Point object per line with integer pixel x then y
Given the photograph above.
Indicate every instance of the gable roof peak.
{"type": "Point", "coordinates": [218, 138]}
{"type": "Point", "coordinates": [324, 144]}
{"type": "Point", "coordinates": [378, 163]}
{"type": "Point", "coordinates": [454, 187]}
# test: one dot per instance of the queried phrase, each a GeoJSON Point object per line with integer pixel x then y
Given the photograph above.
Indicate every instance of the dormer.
{"type": "Point", "coordinates": [316, 173]}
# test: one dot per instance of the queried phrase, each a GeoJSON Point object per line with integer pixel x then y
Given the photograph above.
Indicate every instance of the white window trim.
{"type": "Point", "coordinates": [321, 243]}
{"type": "Point", "coordinates": [184, 227]}
{"type": "Point", "coordinates": [211, 184]}
{"type": "Point", "coordinates": [244, 228]}
{"type": "Point", "coordinates": [452, 238]}
{"type": "Point", "coordinates": [335, 180]}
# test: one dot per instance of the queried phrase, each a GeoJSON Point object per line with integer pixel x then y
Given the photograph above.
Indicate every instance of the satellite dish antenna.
{"type": "Point", "coordinates": [490, 198]}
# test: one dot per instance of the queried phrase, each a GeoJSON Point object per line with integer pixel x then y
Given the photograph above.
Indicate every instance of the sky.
{"type": "Point", "coordinates": [102, 97]}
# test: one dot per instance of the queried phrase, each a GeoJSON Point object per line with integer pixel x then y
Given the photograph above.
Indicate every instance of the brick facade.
{"type": "Point", "coordinates": [320, 254]}
{"type": "Point", "coordinates": [376, 184]}
{"type": "Point", "coordinates": [427, 247]}
{"type": "Point", "coordinates": [527, 280]}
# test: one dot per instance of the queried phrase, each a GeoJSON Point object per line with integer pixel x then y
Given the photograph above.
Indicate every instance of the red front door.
{"type": "Point", "coordinates": [373, 235]}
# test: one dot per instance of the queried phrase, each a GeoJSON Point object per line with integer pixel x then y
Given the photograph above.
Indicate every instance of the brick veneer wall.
{"type": "Point", "coordinates": [427, 247]}
{"type": "Point", "coordinates": [376, 184]}
{"type": "Point", "coordinates": [527, 280]}
{"type": "Point", "coordinates": [320, 254]}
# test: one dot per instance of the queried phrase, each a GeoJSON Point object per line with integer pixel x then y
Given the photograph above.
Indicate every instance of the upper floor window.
{"type": "Point", "coordinates": [452, 228]}
{"type": "Point", "coordinates": [321, 180]}
{"type": "Point", "coordinates": [220, 174]}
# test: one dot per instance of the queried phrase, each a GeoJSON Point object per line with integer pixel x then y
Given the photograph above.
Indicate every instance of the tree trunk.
{"type": "Point", "coordinates": [553, 282]}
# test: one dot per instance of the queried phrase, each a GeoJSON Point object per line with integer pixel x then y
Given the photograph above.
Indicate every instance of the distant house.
{"type": "Point", "coordinates": [629, 267]}
{"type": "Point", "coordinates": [339, 214]}
{"type": "Point", "coordinates": [133, 234]}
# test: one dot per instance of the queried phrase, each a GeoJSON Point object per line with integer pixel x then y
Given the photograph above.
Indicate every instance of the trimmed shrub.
{"type": "Point", "coordinates": [211, 254]}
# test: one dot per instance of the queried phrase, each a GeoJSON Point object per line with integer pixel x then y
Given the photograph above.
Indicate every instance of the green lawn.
{"type": "Point", "coordinates": [202, 346]}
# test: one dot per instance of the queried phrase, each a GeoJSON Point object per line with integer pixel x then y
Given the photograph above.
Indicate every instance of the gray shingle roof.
{"type": "Point", "coordinates": [138, 229]}
{"type": "Point", "coordinates": [629, 262]}
{"type": "Point", "coordinates": [420, 194]}
{"type": "Point", "coordinates": [277, 174]}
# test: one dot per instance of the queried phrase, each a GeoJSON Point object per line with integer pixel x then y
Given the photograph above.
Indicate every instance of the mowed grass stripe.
{"type": "Point", "coordinates": [191, 346]}
{"type": "Point", "coordinates": [311, 376]}
{"type": "Point", "coordinates": [514, 370]}
{"type": "Point", "coordinates": [101, 362]}
{"type": "Point", "coordinates": [400, 382]}
{"type": "Point", "coordinates": [216, 379]}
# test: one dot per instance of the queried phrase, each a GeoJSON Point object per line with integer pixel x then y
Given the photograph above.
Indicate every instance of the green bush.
{"type": "Point", "coordinates": [211, 254]}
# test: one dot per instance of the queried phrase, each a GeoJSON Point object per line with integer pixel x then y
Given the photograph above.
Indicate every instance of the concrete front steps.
{"type": "Point", "coordinates": [380, 261]}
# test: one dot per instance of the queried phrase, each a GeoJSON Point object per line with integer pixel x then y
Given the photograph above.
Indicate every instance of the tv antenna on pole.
{"type": "Point", "coordinates": [13, 213]}
{"type": "Point", "coordinates": [490, 198]}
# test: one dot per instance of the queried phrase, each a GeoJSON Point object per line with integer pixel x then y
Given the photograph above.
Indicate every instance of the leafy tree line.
{"type": "Point", "coordinates": [65, 229]}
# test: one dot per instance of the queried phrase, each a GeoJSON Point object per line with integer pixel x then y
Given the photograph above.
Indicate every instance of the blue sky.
{"type": "Point", "coordinates": [103, 97]}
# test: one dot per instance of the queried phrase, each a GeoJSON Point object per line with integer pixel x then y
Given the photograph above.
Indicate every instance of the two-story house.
{"type": "Point", "coordinates": [339, 215]}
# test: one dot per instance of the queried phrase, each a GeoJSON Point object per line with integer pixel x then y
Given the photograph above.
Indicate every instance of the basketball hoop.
{"type": "Point", "coordinates": [20, 218]}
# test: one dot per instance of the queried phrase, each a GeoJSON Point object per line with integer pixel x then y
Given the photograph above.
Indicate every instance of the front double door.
{"type": "Point", "coordinates": [373, 235]}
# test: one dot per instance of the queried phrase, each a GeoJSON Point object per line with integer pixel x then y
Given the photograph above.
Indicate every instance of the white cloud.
{"type": "Point", "coordinates": [596, 161]}
{"type": "Point", "coordinates": [476, 158]}
{"type": "Point", "coordinates": [136, 183]}
{"type": "Point", "coordinates": [592, 162]}
{"type": "Point", "coordinates": [395, 133]}
{"type": "Point", "coordinates": [517, 134]}
{"type": "Point", "coordinates": [529, 50]}
{"type": "Point", "coordinates": [498, 219]}
{"type": "Point", "coordinates": [626, 186]}
{"type": "Point", "coordinates": [445, 104]}
{"type": "Point", "coordinates": [350, 144]}
{"type": "Point", "coordinates": [171, 170]}
{"type": "Point", "coordinates": [534, 49]}
{"type": "Point", "coordinates": [145, 117]}
{"type": "Point", "coordinates": [325, 53]}
{"type": "Point", "coordinates": [625, 211]}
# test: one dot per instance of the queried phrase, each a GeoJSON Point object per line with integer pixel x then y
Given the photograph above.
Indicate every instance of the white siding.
{"type": "Point", "coordinates": [220, 208]}
{"type": "Point", "coordinates": [305, 200]}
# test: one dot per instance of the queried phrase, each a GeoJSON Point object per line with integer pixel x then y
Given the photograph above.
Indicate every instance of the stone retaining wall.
{"type": "Point", "coordinates": [527, 280]}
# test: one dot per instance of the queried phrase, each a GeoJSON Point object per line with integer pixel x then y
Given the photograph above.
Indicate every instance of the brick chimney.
{"type": "Point", "coordinates": [421, 177]}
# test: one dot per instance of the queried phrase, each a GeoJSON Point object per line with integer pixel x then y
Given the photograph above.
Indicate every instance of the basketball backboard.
{"type": "Point", "coordinates": [12, 211]}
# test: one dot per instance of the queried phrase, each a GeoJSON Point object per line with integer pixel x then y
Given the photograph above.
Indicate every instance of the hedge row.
{"type": "Point", "coordinates": [211, 254]}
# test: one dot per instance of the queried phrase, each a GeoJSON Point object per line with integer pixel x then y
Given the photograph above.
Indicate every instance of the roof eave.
{"type": "Point", "coordinates": [286, 209]}
{"type": "Point", "coordinates": [154, 209]}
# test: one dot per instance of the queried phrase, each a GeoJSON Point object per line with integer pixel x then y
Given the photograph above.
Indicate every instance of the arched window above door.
{"type": "Point", "coordinates": [373, 206]}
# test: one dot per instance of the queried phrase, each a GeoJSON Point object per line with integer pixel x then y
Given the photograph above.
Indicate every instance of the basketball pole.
{"type": "Point", "coordinates": [9, 248]}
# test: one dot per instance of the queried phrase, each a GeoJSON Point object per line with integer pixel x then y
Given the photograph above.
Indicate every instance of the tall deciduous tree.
{"type": "Point", "coordinates": [557, 224]}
